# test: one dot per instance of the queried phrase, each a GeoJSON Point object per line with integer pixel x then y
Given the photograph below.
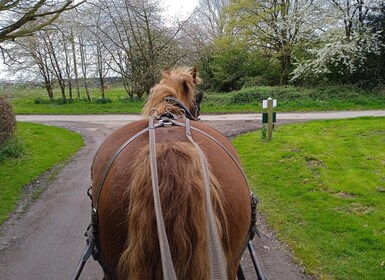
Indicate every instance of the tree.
{"type": "Point", "coordinates": [198, 35]}
{"type": "Point", "coordinates": [274, 26]}
{"type": "Point", "coordinates": [23, 18]}
{"type": "Point", "coordinates": [33, 60]}
{"type": "Point", "coordinates": [138, 41]}
{"type": "Point", "coordinates": [343, 43]}
{"type": "Point", "coordinates": [52, 41]}
{"type": "Point", "coordinates": [372, 73]}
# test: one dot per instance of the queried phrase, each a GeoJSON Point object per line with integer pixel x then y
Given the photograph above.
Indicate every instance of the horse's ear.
{"type": "Point", "coordinates": [166, 71]}
{"type": "Point", "coordinates": [194, 72]}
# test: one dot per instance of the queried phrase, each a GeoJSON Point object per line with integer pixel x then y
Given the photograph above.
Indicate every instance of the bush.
{"type": "Point", "coordinates": [103, 101]}
{"type": "Point", "coordinates": [127, 100]}
{"type": "Point", "coordinates": [7, 121]}
{"type": "Point", "coordinates": [11, 148]}
{"type": "Point", "coordinates": [252, 94]}
{"type": "Point", "coordinates": [57, 101]}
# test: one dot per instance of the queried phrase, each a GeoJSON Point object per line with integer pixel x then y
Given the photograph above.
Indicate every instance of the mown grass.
{"type": "Point", "coordinates": [322, 98]}
{"type": "Point", "coordinates": [322, 188]}
{"type": "Point", "coordinates": [35, 101]}
{"type": "Point", "coordinates": [43, 148]}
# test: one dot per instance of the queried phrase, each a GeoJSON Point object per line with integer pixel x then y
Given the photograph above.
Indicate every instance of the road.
{"type": "Point", "coordinates": [118, 118]}
{"type": "Point", "coordinates": [45, 240]}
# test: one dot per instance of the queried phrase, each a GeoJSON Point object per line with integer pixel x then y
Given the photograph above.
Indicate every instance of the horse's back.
{"type": "Point", "coordinates": [221, 156]}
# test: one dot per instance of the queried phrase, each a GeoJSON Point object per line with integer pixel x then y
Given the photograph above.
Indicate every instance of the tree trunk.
{"type": "Point", "coordinates": [75, 65]}
{"type": "Point", "coordinates": [102, 85]}
{"type": "Point", "coordinates": [285, 61]}
{"type": "Point", "coordinates": [87, 90]}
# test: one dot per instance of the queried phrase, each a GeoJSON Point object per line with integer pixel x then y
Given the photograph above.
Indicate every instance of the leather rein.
{"type": "Point", "coordinates": [167, 119]}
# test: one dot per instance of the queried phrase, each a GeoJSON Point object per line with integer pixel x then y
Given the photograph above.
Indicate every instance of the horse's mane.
{"type": "Point", "coordinates": [179, 83]}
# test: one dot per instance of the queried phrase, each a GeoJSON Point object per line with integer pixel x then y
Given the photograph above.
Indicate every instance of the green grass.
{"type": "Point", "coordinates": [322, 187]}
{"type": "Point", "coordinates": [290, 99]}
{"type": "Point", "coordinates": [35, 101]}
{"type": "Point", "coordinates": [44, 147]}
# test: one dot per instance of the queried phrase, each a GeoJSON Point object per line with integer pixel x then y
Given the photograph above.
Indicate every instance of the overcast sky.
{"type": "Point", "coordinates": [179, 7]}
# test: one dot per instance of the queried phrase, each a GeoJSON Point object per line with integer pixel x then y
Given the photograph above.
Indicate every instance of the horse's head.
{"type": "Point", "coordinates": [178, 88]}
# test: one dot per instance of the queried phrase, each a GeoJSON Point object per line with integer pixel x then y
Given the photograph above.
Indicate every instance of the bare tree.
{"type": "Point", "coordinates": [23, 18]}
{"type": "Point", "coordinates": [138, 41]}
{"type": "Point", "coordinates": [202, 28]}
{"type": "Point", "coordinates": [84, 61]}
{"type": "Point", "coordinates": [51, 42]}
{"type": "Point", "coordinates": [75, 62]}
{"type": "Point", "coordinates": [33, 57]}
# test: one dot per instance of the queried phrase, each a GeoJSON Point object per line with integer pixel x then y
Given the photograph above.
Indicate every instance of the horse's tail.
{"type": "Point", "coordinates": [182, 194]}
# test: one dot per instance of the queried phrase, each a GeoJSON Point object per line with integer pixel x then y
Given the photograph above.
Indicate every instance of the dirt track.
{"type": "Point", "coordinates": [45, 240]}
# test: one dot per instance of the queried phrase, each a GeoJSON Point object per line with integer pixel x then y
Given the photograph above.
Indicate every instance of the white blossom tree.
{"type": "Point", "coordinates": [274, 26]}
{"type": "Point", "coordinates": [343, 41]}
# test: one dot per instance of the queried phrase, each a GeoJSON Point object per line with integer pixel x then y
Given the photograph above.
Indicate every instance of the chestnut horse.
{"type": "Point", "coordinates": [123, 197]}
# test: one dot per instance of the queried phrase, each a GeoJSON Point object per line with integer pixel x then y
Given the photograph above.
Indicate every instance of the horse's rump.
{"type": "Point", "coordinates": [173, 149]}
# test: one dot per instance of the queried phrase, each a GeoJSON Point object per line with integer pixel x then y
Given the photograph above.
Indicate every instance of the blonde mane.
{"type": "Point", "coordinates": [179, 83]}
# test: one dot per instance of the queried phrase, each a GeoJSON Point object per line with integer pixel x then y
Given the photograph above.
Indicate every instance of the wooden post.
{"type": "Point", "coordinates": [269, 119]}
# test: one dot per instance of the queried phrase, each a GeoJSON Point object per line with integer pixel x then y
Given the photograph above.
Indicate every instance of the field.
{"type": "Point", "coordinates": [322, 187]}
{"type": "Point", "coordinates": [290, 99]}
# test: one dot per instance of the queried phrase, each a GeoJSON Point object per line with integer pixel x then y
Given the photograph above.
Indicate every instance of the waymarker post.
{"type": "Point", "coordinates": [268, 118]}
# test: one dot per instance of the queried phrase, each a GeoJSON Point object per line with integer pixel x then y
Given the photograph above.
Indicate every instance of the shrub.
{"type": "Point", "coordinates": [11, 148]}
{"type": "Point", "coordinates": [7, 120]}
{"type": "Point", "coordinates": [57, 101]}
{"type": "Point", "coordinates": [40, 100]}
{"type": "Point", "coordinates": [126, 100]}
{"type": "Point", "coordinates": [62, 101]}
{"type": "Point", "coordinates": [103, 101]}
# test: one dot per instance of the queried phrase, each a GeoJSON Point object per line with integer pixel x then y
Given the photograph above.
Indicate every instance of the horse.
{"type": "Point", "coordinates": [122, 194]}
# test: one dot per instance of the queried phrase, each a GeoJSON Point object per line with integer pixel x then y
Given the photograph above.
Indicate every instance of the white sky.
{"type": "Point", "coordinates": [180, 7]}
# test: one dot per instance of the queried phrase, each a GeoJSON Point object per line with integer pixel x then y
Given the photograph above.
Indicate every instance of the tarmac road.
{"type": "Point", "coordinates": [45, 240]}
{"type": "Point", "coordinates": [119, 118]}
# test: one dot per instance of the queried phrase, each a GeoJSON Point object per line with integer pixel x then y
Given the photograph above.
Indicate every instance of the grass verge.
{"type": "Point", "coordinates": [44, 147]}
{"type": "Point", "coordinates": [322, 187]}
{"type": "Point", "coordinates": [322, 98]}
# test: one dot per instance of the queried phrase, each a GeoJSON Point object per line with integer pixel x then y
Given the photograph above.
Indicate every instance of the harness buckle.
{"type": "Point", "coordinates": [253, 227]}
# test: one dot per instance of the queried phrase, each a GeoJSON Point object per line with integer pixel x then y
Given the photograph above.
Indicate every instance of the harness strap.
{"type": "Point", "coordinates": [92, 247]}
{"type": "Point", "coordinates": [117, 153]}
{"type": "Point", "coordinates": [218, 264]}
{"type": "Point", "coordinates": [218, 143]}
{"type": "Point", "coordinates": [167, 265]}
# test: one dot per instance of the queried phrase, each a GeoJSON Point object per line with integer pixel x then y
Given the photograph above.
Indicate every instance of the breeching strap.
{"type": "Point", "coordinates": [167, 265]}
{"type": "Point", "coordinates": [218, 264]}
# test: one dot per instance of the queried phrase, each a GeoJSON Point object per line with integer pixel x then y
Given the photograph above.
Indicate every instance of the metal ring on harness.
{"type": "Point", "coordinates": [154, 112]}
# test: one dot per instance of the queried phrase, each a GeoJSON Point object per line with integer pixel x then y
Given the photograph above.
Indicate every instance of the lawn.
{"type": "Point", "coordinates": [35, 101]}
{"type": "Point", "coordinates": [290, 99]}
{"type": "Point", "coordinates": [321, 186]}
{"type": "Point", "coordinates": [44, 147]}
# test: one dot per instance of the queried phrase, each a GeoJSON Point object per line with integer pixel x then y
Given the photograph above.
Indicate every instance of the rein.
{"type": "Point", "coordinates": [217, 261]}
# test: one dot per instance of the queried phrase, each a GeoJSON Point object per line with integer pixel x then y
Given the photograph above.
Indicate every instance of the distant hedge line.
{"type": "Point", "coordinates": [287, 93]}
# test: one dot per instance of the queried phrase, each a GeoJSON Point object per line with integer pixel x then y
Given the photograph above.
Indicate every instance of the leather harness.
{"type": "Point", "coordinates": [167, 119]}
